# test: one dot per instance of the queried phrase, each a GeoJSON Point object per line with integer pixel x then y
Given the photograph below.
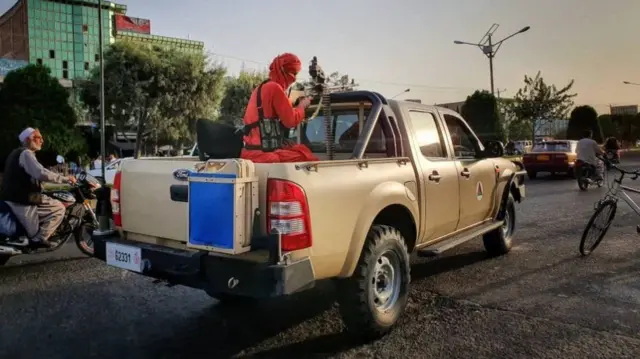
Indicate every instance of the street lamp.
{"type": "Point", "coordinates": [489, 48]}
{"type": "Point", "coordinates": [403, 92]}
{"type": "Point", "coordinates": [630, 83]}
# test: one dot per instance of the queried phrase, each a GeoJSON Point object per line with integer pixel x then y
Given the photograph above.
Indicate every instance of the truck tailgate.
{"type": "Point", "coordinates": [146, 204]}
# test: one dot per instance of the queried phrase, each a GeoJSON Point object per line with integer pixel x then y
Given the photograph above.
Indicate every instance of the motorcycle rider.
{"type": "Point", "coordinates": [587, 151]}
{"type": "Point", "coordinates": [39, 214]}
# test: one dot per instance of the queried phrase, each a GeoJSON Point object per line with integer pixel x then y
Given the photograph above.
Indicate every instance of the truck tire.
{"type": "Point", "coordinates": [498, 241]}
{"type": "Point", "coordinates": [375, 296]}
{"type": "Point", "coordinates": [532, 174]}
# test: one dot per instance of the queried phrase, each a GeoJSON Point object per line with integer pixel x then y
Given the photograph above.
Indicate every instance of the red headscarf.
{"type": "Point", "coordinates": [284, 68]}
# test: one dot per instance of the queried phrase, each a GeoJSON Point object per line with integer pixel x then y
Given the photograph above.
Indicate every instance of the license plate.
{"type": "Point", "coordinates": [542, 158]}
{"type": "Point", "coordinates": [124, 257]}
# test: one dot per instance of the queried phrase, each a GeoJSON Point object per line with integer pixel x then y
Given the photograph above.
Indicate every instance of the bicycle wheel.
{"type": "Point", "coordinates": [598, 226]}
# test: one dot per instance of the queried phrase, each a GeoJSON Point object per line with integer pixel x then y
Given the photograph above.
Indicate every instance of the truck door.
{"type": "Point", "coordinates": [438, 175]}
{"type": "Point", "coordinates": [477, 177]}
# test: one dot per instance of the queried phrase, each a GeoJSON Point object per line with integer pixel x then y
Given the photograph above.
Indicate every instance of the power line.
{"type": "Point", "coordinates": [391, 83]}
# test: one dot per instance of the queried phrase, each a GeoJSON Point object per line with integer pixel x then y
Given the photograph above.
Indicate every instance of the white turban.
{"type": "Point", "coordinates": [25, 134]}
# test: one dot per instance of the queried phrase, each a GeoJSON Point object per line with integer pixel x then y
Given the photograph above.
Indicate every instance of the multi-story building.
{"type": "Point", "coordinates": [64, 34]}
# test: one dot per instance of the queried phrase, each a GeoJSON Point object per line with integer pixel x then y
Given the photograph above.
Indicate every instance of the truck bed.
{"type": "Point", "coordinates": [339, 193]}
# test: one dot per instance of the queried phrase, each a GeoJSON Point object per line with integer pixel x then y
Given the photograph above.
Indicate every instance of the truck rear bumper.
{"type": "Point", "coordinates": [256, 274]}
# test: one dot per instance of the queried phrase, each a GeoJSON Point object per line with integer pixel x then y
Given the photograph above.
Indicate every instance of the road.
{"type": "Point", "coordinates": [540, 301]}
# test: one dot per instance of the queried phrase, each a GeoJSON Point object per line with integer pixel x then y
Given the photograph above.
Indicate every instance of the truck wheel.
{"type": "Point", "coordinates": [375, 296]}
{"type": "Point", "coordinates": [532, 174]}
{"type": "Point", "coordinates": [498, 241]}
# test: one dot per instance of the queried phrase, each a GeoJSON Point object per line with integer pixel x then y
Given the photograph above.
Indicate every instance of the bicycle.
{"type": "Point", "coordinates": [607, 207]}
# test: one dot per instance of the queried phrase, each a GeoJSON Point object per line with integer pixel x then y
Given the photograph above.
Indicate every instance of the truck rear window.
{"type": "Point", "coordinates": [552, 147]}
{"type": "Point", "coordinates": [346, 133]}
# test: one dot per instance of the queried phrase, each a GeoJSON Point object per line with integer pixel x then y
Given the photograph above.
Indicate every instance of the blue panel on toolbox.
{"type": "Point", "coordinates": [211, 211]}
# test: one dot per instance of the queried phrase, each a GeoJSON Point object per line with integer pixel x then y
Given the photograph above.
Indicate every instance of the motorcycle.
{"type": "Point", "coordinates": [586, 175]}
{"type": "Point", "coordinates": [79, 222]}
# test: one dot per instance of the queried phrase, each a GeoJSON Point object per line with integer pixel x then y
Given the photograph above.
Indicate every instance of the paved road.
{"type": "Point", "coordinates": [540, 301]}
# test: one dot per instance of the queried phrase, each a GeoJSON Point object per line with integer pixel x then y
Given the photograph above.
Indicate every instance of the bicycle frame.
{"type": "Point", "coordinates": [618, 191]}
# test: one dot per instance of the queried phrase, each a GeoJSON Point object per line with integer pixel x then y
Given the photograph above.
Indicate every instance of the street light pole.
{"type": "Point", "coordinates": [489, 48]}
{"type": "Point", "coordinates": [491, 55]}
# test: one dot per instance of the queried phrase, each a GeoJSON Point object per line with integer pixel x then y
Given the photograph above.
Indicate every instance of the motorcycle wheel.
{"type": "Point", "coordinates": [583, 183]}
{"type": "Point", "coordinates": [83, 238]}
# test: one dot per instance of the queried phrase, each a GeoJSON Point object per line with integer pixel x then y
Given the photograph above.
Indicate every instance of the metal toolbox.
{"type": "Point", "coordinates": [223, 197]}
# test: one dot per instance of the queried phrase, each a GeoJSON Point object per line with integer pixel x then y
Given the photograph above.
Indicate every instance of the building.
{"type": "Point", "coordinates": [64, 34]}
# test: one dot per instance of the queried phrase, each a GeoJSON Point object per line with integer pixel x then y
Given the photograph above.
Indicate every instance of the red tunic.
{"type": "Point", "coordinates": [275, 100]}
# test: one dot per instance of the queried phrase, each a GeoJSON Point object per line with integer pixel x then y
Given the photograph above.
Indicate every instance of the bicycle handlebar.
{"type": "Point", "coordinates": [635, 174]}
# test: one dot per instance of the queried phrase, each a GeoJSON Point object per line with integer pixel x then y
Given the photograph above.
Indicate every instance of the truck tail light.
{"type": "Point", "coordinates": [115, 200]}
{"type": "Point", "coordinates": [288, 212]}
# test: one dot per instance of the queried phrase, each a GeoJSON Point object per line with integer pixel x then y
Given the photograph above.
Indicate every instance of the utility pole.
{"type": "Point", "coordinates": [104, 226]}
{"type": "Point", "coordinates": [489, 48]}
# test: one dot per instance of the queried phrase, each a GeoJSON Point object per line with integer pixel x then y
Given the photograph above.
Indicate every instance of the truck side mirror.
{"type": "Point", "coordinates": [493, 149]}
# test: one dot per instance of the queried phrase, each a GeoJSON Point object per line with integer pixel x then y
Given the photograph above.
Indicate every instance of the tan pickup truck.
{"type": "Point", "coordinates": [401, 177]}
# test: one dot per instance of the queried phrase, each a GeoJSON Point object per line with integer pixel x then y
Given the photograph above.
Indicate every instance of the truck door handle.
{"type": "Point", "coordinates": [434, 176]}
{"type": "Point", "coordinates": [465, 173]}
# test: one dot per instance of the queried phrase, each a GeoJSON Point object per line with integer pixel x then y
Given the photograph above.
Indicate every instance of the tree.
{"type": "Point", "coordinates": [584, 118]}
{"type": "Point", "coordinates": [609, 128]}
{"type": "Point", "coordinates": [538, 105]}
{"type": "Point", "coordinates": [31, 97]}
{"type": "Point", "coordinates": [237, 93]}
{"type": "Point", "coordinates": [628, 127]}
{"type": "Point", "coordinates": [159, 92]}
{"type": "Point", "coordinates": [481, 112]}
{"type": "Point", "coordinates": [191, 88]}
{"type": "Point", "coordinates": [519, 130]}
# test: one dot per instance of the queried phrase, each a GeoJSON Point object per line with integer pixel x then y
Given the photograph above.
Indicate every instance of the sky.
{"type": "Point", "coordinates": [391, 46]}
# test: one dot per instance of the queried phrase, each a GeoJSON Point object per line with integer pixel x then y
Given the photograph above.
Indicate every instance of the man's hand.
{"type": "Point", "coordinates": [304, 102]}
{"type": "Point", "coordinates": [70, 179]}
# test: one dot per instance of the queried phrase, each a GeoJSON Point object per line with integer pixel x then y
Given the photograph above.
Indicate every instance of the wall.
{"type": "Point", "coordinates": [14, 40]}
{"type": "Point", "coordinates": [64, 36]}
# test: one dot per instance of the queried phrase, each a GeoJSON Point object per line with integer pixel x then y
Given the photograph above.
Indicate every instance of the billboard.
{"type": "Point", "coordinates": [132, 24]}
{"type": "Point", "coordinates": [8, 65]}
{"type": "Point", "coordinates": [624, 110]}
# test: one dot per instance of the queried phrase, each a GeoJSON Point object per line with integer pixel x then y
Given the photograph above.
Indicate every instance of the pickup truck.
{"type": "Point", "coordinates": [399, 177]}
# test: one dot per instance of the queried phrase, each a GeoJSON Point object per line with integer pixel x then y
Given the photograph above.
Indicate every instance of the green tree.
{"type": "Point", "coordinates": [31, 97]}
{"type": "Point", "coordinates": [191, 88]}
{"type": "Point", "coordinates": [159, 92]}
{"type": "Point", "coordinates": [584, 118]}
{"type": "Point", "coordinates": [609, 128]}
{"type": "Point", "coordinates": [519, 130]}
{"type": "Point", "coordinates": [480, 110]}
{"type": "Point", "coordinates": [237, 93]}
{"type": "Point", "coordinates": [628, 127]}
{"type": "Point", "coordinates": [538, 104]}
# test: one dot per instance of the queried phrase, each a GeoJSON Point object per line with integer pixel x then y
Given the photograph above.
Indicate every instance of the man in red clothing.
{"type": "Point", "coordinates": [269, 113]}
